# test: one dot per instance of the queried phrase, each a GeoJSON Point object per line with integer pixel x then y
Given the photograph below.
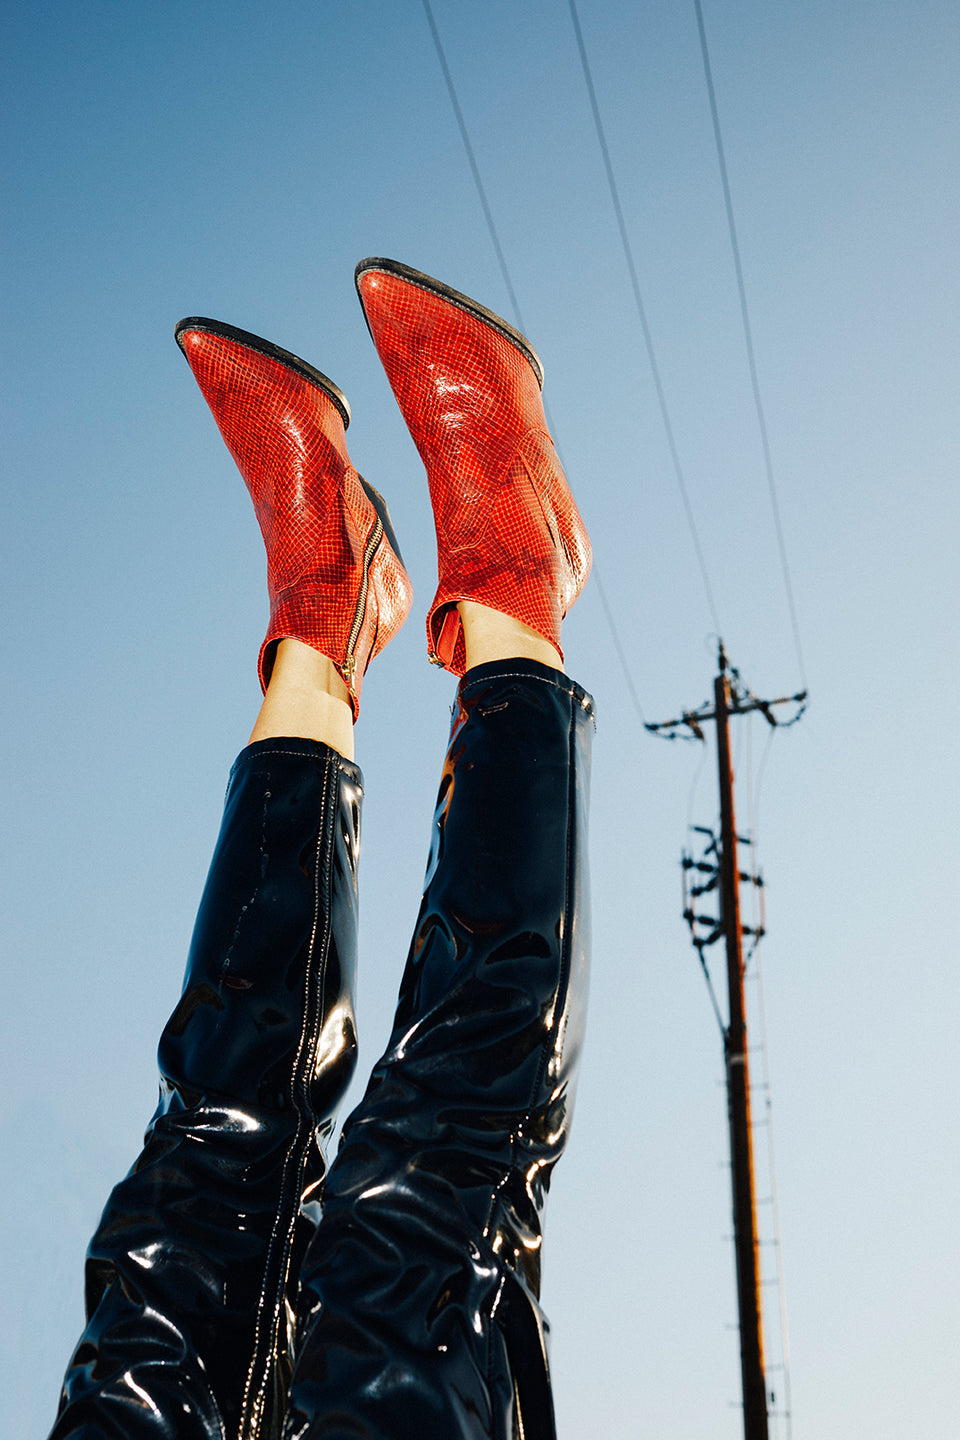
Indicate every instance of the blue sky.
{"type": "Point", "coordinates": [236, 161]}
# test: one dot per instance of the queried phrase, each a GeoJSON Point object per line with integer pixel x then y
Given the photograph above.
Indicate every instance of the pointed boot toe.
{"type": "Point", "coordinates": [509, 534]}
{"type": "Point", "coordinates": [334, 573]}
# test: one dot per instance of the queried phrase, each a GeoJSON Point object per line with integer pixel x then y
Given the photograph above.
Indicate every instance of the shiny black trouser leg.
{"type": "Point", "coordinates": [418, 1316]}
{"type": "Point", "coordinates": [191, 1276]}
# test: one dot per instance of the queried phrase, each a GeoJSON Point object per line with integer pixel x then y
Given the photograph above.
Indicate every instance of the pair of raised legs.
{"type": "Point", "coordinates": [235, 1287]}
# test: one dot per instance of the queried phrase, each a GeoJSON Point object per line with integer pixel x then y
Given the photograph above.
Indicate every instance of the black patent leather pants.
{"type": "Point", "coordinates": [221, 1305]}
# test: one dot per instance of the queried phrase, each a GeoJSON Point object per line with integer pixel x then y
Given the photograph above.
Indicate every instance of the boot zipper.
{"type": "Point", "coordinates": [370, 549]}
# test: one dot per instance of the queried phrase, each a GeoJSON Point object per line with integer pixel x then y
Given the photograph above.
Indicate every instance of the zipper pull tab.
{"type": "Point", "coordinates": [349, 674]}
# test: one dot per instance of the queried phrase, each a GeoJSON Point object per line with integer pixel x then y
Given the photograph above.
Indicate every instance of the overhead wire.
{"type": "Point", "coordinates": [618, 643]}
{"type": "Point", "coordinates": [642, 316]}
{"type": "Point", "coordinates": [518, 316]}
{"type": "Point", "coordinates": [694, 785]}
{"type": "Point", "coordinates": [474, 167]}
{"type": "Point", "coordinates": [762, 767]}
{"type": "Point", "coordinates": [602, 592]}
{"type": "Point", "coordinates": [748, 339]}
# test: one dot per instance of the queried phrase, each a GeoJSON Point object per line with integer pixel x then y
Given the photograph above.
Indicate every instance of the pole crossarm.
{"type": "Point", "coordinates": [694, 719]}
{"type": "Point", "coordinates": [740, 701]}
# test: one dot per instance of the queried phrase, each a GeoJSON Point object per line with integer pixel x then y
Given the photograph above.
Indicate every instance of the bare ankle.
{"type": "Point", "coordinates": [307, 698]}
{"type": "Point", "coordinates": [491, 635]}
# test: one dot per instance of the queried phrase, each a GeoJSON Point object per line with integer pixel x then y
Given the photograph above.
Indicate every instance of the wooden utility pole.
{"type": "Point", "coordinates": [731, 698]}
{"type": "Point", "coordinates": [738, 1088]}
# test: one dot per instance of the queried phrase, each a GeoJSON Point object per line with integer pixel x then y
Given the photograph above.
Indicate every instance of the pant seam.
{"type": "Point", "coordinates": [563, 983]}
{"type": "Point", "coordinates": [252, 1407]}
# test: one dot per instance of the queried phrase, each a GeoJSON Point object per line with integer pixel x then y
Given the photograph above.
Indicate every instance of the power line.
{"type": "Point", "coordinates": [474, 167]}
{"type": "Point", "coordinates": [618, 644]}
{"type": "Point", "coordinates": [504, 270]}
{"type": "Point", "coordinates": [748, 337]}
{"type": "Point", "coordinates": [642, 314]}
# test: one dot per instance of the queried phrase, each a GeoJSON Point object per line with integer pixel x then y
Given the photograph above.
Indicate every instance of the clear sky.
{"type": "Point", "coordinates": [236, 160]}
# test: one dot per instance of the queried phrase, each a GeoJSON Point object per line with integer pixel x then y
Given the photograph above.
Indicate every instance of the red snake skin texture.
{"type": "Point", "coordinates": [509, 534]}
{"type": "Point", "coordinates": [288, 439]}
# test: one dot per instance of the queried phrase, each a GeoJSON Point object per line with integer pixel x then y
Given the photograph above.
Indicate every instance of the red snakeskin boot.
{"type": "Point", "coordinates": [334, 572]}
{"type": "Point", "coordinates": [509, 534]}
